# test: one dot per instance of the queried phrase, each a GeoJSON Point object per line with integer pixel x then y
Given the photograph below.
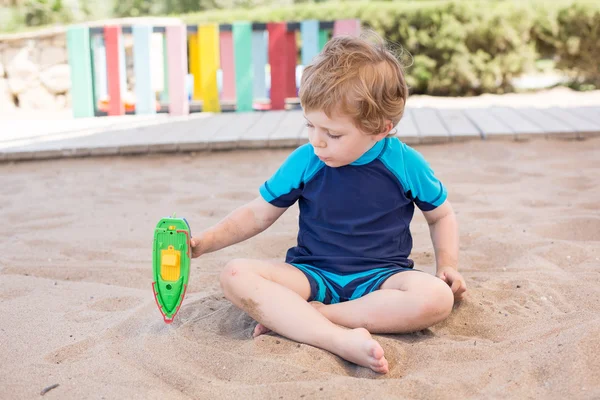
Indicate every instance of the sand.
{"type": "Point", "coordinates": [78, 311]}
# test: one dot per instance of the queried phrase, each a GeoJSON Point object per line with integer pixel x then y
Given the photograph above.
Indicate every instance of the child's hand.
{"type": "Point", "coordinates": [454, 279]}
{"type": "Point", "coordinates": [196, 248]}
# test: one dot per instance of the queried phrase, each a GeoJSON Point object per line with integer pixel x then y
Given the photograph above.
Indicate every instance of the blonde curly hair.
{"type": "Point", "coordinates": [358, 77]}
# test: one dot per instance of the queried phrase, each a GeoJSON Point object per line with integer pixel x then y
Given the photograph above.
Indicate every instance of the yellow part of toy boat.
{"type": "Point", "coordinates": [170, 264]}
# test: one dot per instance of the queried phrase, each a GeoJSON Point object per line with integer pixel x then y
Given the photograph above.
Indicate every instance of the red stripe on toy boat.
{"type": "Point", "coordinates": [180, 303]}
{"type": "Point", "coordinates": [156, 299]}
{"type": "Point", "coordinates": [188, 241]}
{"type": "Point", "coordinates": [168, 321]}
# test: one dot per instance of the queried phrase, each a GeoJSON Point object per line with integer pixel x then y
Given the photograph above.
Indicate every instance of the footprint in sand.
{"type": "Point", "coordinates": [566, 255]}
{"type": "Point", "coordinates": [471, 319]}
{"type": "Point", "coordinates": [577, 228]}
{"type": "Point", "coordinates": [115, 304]}
{"type": "Point", "coordinates": [70, 353]}
{"type": "Point", "coordinates": [9, 293]}
{"type": "Point", "coordinates": [592, 206]}
{"type": "Point", "coordinates": [487, 253]}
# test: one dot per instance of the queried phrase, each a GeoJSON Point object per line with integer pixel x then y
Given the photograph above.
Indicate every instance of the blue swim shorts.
{"type": "Point", "coordinates": [330, 288]}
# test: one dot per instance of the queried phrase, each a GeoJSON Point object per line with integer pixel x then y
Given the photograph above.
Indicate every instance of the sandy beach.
{"type": "Point", "coordinates": [78, 310]}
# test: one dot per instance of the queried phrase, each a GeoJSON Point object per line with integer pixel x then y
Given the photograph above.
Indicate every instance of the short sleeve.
{"type": "Point", "coordinates": [426, 190]}
{"type": "Point", "coordinates": [285, 186]}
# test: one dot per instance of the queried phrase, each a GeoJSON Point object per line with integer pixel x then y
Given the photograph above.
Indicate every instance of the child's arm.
{"type": "Point", "coordinates": [241, 224]}
{"type": "Point", "coordinates": [444, 236]}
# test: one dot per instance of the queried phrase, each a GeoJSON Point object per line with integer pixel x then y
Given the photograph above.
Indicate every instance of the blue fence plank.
{"type": "Point", "coordinates": [310, 40]}
{"type": "Point", "coordinates": [259, 60]}
{"type": "Point", "coordinates": [144, 96]}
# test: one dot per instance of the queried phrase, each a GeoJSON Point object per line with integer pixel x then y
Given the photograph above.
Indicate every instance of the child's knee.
{"type": "Point", "coordinates": [440, 301]}
{"type": "Point", "coordinates": [231, 271]}
{"type": "Point", "coordinates": [237, 270]}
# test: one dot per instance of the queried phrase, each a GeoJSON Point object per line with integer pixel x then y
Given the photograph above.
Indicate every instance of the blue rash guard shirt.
{"type": "Point", "coordinates": [355, 218]}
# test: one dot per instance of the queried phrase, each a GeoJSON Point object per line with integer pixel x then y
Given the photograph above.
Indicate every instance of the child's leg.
{"type": "Point", "coordinates": [275, 295]}
{"type": "Point", "coordinates": [406, 302]}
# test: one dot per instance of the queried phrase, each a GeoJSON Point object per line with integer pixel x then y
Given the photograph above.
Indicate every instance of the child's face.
{"type": "Point", "coordinates": [337, 142]}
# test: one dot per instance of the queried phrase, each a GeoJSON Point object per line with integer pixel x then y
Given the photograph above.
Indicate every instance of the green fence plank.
{"type": "Point", "coordinates": [323, 38]}
{"type": "Point", "coordinates": [80, 61]}
{"type": "Point", "coordinates": [242, 48]}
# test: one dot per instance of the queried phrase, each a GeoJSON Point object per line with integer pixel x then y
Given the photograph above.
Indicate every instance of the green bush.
{"type": "Point", "coordinates": [44, 12]}
{"type": "Point", "coordinates": [449, 47]}
{"type": "Point", "coordinates": [462, 47]}
{"type": "Point", "coordinates": [456, 48]}
{"type": "Point", "coordinates": [134, 8]}
{"type": "Point", "coordinates": [578, 44]}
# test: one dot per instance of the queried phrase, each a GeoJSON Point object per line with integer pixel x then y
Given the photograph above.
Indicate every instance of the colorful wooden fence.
{"type": "Point", "coordinates": [256, 62]}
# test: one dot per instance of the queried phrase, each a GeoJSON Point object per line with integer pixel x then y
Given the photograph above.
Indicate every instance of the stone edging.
{"type": "Point", "coordinates": [61, 29]}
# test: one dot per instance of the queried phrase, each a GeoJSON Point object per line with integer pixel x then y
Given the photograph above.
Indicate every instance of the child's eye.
{"type": "Point", "coordinates": [308, 125]}
{"type": "Point", "coordinates": [333, 136]}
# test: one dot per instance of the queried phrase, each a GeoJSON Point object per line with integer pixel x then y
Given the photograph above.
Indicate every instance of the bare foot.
{"type": "Point", "coordinates": [358, 346]}
{"type": "Point", "coordinates": [260, 329]}
{"type": "Point", "coordinates": [355, 345]}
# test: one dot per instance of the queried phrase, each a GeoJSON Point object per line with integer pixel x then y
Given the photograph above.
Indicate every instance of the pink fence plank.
{"type": "Point", "coordinates": [227, 65]}
{"type": "Point", "coordinates": [177, 65]}
{"type": "Point", "coordinates": [346, 27]}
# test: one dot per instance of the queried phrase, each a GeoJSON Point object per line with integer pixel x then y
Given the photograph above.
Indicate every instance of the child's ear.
{"type": "Point", "coordinates": [386, 131]}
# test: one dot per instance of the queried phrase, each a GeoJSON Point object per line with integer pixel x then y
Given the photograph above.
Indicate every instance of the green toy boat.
{"type": "Point", "coordinates": [171, 264]}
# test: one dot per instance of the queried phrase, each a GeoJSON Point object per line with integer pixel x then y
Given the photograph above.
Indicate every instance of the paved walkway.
{"type": "Point", "coordinates": [204, 131]}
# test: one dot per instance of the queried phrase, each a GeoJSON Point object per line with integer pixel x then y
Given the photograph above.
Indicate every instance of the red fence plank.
{"type": "Point", "coordinates": [112, 38]}
{"type": "Point", "coordinates": [291, 54]}
{"type": "Point", "coordinates": [278, 62]}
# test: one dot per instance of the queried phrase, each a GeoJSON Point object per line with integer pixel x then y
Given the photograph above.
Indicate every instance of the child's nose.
{"type": "Point", "coordinates": [316, 141]}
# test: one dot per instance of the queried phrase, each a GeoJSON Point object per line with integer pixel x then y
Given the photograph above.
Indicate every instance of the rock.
{"type": "Point", "coordinates": [25, 49]}
{"type": "Point", "coordinates": [51, 56]}
{"type": "Point", "coordinates": [57, 78]}
{"type": "Point", "coordinates": [8, 55]}
{"type": "Point", "coordinates": [61, 101]}
{"type": "Point", "coordinates": [37, 98]}
{"type": "Point", "coordinates": [6, 98]}
{"type": "Point", "coordinates": [60, 41]}
{"type": "Point", "coordinates": [22, 72]}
